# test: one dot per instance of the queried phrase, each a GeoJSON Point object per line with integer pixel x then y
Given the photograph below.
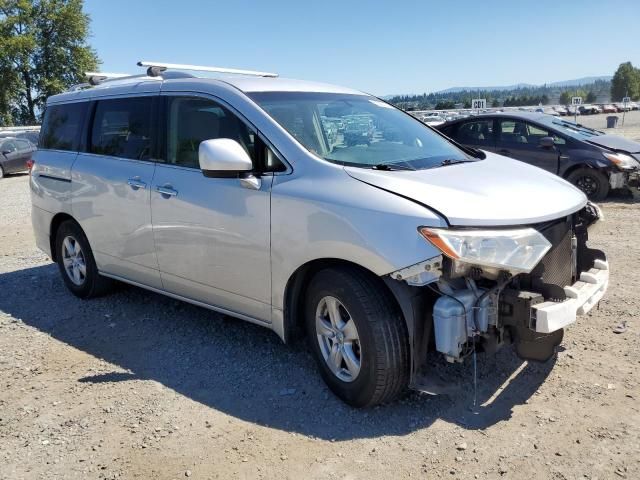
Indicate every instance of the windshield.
{"type": "Point", "coordinates": [574, 130]}
{"type": "Point", "coordinates": [358, 130]}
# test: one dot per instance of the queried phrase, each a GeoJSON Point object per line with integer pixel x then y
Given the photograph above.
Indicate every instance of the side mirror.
{"type": "Point", "coordinates": [223, 157]}
{"type": "Point", "coordinates": [547, 142]}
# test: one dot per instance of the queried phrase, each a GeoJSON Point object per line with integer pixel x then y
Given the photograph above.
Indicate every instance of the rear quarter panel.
{"type": "Point", "coordinates": [50, 185]}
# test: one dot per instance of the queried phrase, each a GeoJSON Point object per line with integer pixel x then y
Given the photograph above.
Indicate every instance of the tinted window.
{"type": "Point", "coordinates": [9, 146]}
{"type": "Point", "coordinates": [23, 144]}
{"type": "Point", "coordinates": [193, 120]}
{"type": "Point", "coordinates": [478, 132]}
{"type": "Point", "coordinates": [62, 126]}
{"type": "Point", "coordinates": [524, 133]}
{"type": "Point", "coordinates": [122, 128]}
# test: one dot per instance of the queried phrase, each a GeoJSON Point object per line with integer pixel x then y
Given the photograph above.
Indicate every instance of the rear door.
{"type": "Point", "coordinates": [25, 149]}
{"type": "Point", "coordinates": [111, 187]}
{"type": "Point", "coordinates": [11, 160]}
{"type": "Point", "coordinates": [521, 140]}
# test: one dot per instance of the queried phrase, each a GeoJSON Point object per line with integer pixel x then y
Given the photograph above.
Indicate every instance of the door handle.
{"type": "Point", "coordinates": [136, 183]}
{"type": "Point", "coordinates": [166, 190]}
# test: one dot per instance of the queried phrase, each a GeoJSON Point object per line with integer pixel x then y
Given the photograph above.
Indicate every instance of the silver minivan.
{"type": "Point", "coordinates": [312, 210]}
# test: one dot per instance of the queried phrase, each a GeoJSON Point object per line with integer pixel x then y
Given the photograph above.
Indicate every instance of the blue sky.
{"type": "Point", "coordinates": [379, 47]}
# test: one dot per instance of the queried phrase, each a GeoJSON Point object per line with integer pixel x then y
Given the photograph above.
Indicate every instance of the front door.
{"type": "Point", "coordinates": [111, 189]}
{"type": "Point", "coordinates": [211, 235]}
{"type": "Point", "coordinates": [521, 140]}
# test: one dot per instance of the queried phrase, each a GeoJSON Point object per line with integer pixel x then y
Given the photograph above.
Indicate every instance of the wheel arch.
{"type": "Point", "coordinates": [56, 221]}
{"type": "Point", "coordinates": [414, 304]}
{"type": "Point", "coordinates": [578, 166]}
{"type": "Point", "coordinates": [296, 288]}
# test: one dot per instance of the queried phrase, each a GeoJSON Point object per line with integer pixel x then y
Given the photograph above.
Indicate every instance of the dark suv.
{"type": "Point", "coordinates": [590, 159]}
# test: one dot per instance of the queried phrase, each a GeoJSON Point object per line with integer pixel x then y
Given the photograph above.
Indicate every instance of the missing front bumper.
{"type": "Point", "coordinates": [582, 296]}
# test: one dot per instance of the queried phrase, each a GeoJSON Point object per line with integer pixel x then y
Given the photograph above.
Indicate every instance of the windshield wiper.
{"type": "Point", "coordinates": [450, 161]}
{"type": "Point", "coordinates": [387, 167]}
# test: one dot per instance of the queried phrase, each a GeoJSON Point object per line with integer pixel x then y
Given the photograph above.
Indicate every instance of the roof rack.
{"type": "Point", "coordinates": [156, 69]}
{"type": "Point", "coordinates": [96, 78]}
{"type": "Point", "coordinates": [159, 69]}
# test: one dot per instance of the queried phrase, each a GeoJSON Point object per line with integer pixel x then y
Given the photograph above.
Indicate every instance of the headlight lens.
{"type": "Point", "coordinates": [517, 250]}
{"type": "Point", "coordinates": [622, 160]}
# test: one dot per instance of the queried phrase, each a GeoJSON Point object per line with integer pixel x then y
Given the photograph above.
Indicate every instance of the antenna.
{"type": "Point", "coordinates": [155, 69]}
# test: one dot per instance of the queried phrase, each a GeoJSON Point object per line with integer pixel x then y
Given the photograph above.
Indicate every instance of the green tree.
{"type": "Point", "coordinates": [625, 82]}
{"type": "Point", "coordinates": [591, 97]}
{"type": "Point", "coordinates": [43, 50]}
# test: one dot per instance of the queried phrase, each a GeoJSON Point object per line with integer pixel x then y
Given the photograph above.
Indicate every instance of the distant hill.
{"type": "Point", "coordinates": [518, 86]}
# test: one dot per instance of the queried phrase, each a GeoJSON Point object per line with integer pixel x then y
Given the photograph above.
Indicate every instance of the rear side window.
{"type": "Point", "coordinates": [478, 132]}
{"type": "Point", "coordinates": [62, 126]}
{"type": "Point", "coordinates": [122, 128]}
{"type": "Point", "coordinates": [23, 144]}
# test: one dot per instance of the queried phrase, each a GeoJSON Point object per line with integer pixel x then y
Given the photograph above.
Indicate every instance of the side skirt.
{"type": "Point", "coordinates": [215, 308]}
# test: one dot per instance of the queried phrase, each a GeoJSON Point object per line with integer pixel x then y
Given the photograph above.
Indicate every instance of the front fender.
{"type": "Point", "coordinates": [335, 216]}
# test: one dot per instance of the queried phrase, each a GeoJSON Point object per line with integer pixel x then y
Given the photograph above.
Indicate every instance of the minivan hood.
{"type": "Point", "coordinates": [496, 191]}
{"type": "Point", "coordinates": [615, 142]}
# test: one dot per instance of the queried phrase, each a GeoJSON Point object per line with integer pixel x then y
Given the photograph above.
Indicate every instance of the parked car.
{"type": "Point", "coordinates": [562, 111]}
{"type": "Point", "coordinates": [609, 109]}
{"type": "Point", "coordinates": [226, 194]}
{"type": "Point", "coordinates": [589, 109]}
{"type": "Point", "coordinates": [590, 159]}
{"type": "Point", "coordinates": [14, 154]}
{"type": "Point", "coordinates": [623, 107]}
{"type": "Point", "coordinates": [30, 135]}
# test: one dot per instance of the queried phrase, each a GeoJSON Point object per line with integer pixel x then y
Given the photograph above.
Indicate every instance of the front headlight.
{"type": "Point", "coordinates": [517, 250]}
{"type": "Point", "coordinates": [622, 160]}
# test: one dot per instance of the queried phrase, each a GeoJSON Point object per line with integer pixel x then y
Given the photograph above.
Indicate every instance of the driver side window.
{"type": "Point", "coordinates": [192, 120]}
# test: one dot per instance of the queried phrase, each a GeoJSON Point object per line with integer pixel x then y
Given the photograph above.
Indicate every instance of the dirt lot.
{"type": "Point", "coordinates": [136, 385]}
{"type": "Point", "coordinates": [630, 129]}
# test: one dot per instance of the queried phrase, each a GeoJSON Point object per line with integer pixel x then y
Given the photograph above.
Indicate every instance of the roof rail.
{"type": "Point", "coordinates": [155, 69]}
{"type": "Point", "coordinates": [96, 78]}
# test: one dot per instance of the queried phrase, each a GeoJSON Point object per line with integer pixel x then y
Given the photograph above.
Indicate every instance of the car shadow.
{"type": "Point", "coordinates": [244, 370]}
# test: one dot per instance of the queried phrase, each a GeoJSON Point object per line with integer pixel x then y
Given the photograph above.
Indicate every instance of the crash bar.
{"type": "Point", "coordinates": [156, 69]}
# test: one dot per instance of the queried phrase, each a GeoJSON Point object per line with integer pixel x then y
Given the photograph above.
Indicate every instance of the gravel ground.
{"type": "Point", "coordinates": [136, 385]}
{"type": "Point", "coordinates": [630, 129]}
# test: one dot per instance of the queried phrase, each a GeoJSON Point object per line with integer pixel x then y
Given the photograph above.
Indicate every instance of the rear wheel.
{"type": "Point", "coordinates": [358, 336]}
{"type": "Point", "coordinates": [593, 183]}
{"type": "Point", "coordinates": [76, 263]}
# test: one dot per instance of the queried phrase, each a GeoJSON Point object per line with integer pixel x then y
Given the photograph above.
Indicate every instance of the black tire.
{"type": "Point", "coordinates": [383, 339]}
{"type": "Point", "coordinates": [92, 284]}
{"type": "Point", "coordinates": [593, 183]}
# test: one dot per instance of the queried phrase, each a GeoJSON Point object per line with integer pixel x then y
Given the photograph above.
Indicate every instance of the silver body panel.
{"type": "Point", "coordinates": [496, 191]}
{"type": "Point", "coordinates": [220, 244]}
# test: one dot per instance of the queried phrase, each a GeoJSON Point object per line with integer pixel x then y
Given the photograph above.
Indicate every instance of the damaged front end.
{"type": "Point", "coordinates": [500, 286]}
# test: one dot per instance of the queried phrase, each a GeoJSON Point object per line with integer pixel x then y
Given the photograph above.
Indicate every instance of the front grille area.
{"type": "Point", "coordinates": [554, 271]}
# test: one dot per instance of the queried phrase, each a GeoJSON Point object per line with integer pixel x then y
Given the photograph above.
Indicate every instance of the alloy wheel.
{"type": "Point", "coordinates": [74, 261]}
{"type": "Point", "coordinates": [338, 339]}
{"type": "Point", "coordinates": [587, 184]}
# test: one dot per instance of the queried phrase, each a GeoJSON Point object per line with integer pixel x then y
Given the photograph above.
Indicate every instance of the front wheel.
{"type": "Point", "coordinates": [593, 183]}
{"type": "Point", "coordinates": [358, 336]}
